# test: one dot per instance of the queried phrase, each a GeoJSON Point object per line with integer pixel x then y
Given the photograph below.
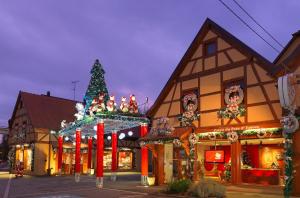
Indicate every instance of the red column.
{"type": "Point", "coordinates": [114, 142]}
{"type": "Point", "coordinates": [60, 152]}
{"type": "Point", "coordinates": [144, 156]}
{"type": "Point", "coordinates": [77, 155]}
{"type": "Point", "coordinates": [100, 148]}
{"type": "Point", "coordinates": [90, 147]}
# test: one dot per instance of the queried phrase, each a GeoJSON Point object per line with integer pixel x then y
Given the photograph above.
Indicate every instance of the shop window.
{"type": "Point", "coordinates": [210, 48]}
{"type": "Point", "coordinates": [125, 160]}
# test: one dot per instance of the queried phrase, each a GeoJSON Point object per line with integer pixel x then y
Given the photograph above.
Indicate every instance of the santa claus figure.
{"type": "Point", "coordinates": [101, 105]}
{"type": "Point", "coordinates": [111, 105]}
{"type": "Point", "coordinates": [133, 107]}
{"type": "Point", "coordinates": [124, 105]}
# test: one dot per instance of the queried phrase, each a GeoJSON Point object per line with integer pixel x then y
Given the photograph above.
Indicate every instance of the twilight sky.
{"type": "Point", "coordinates": [44, 45]}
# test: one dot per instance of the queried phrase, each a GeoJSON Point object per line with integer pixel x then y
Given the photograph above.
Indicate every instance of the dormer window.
{"type": "Point", "coordinates": [210, 48]}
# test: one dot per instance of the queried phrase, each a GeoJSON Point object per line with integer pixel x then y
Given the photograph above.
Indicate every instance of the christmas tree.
{"type": "Point", "coordinates": [97, 85]}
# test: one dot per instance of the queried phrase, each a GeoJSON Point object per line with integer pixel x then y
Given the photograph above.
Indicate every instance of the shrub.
{"type": "Point", "coordinates": [179, 186]}
{"type": "Point", "coordinates": [207, 188]}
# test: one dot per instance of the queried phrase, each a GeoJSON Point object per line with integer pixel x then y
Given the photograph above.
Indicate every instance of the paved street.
{"type": "Point", "coordinates": [127, 186]}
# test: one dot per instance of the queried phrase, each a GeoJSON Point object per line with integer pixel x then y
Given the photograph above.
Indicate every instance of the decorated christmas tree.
{"type": "Point", "coordinates": [96, 86]}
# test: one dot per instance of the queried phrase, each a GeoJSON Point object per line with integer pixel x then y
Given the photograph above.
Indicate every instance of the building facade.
{"type": "Point", "coordinates": [237, 136]}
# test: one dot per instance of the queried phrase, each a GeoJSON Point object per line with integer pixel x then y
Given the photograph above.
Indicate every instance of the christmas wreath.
{"type": "Point", "coordinates": [234, 96]}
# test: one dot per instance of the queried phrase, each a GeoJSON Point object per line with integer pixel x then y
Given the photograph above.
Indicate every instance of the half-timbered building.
{"type": "Point", "coordinates": [234, 90]}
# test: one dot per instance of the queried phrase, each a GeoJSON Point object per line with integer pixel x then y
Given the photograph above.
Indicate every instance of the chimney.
{"type": "Point", "coordinates": [48, 93]}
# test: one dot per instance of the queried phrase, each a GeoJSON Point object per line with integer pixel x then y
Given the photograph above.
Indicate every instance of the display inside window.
{"type": "Point", "coordinates": [125, 160]}
{"type": "Point", "coordinates": [107, 159]}
{"type": "Point", "coordinates": [214, 156]}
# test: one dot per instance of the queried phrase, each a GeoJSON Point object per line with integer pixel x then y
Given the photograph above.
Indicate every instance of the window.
{"type": "Point", "coordinates": [210, 48]}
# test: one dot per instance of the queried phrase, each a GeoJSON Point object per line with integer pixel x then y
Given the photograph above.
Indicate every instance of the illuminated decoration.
{"type": "Point", "coordinates": [250, 132]}
{"type": "Point", "coordinates": [130, 133]}
{"type": "Point", "coordinates": [96, 86]}
{"type": "Point", "coordinates": [124, 107]}
{"type": "Point", "coordinates": [83, 136]}
{"type": "Point", "coordinates": [133, 106]}
{"type": "Point", "coordinates": [122, 136]}
{"type": "Point", "coordinates": [232, 136]}
{"type": "Point", "coordinates": [92, 113]}
{"type": "Point", "coordinates": [287, 96]}
{"type": "Point", "coordinates": [111, 105]}
{"type": "Point", "coordinates": [114, 164]}
{"type": "Point", "coordinates": [162, 127]}
{"type": "Point", "coordinates": [261, 134]}
{"type": "Point", "coordinates": [60, 153]}
{"type": "Point", "coordinates": [290, 123]}
{"type": "Point", "coordinates": [109, 137]}
{"type": "Point", "coordinates": [80, 111]}
{"type": "Point", "coordinates": [193, 139]}
{"type": "Point", "coordinates": [190, 105]}
{"type": "Point", "coordinates": [212, 136]}
{"type": "Point", "coordinates": [177, 143]}
{"type": "Point", "coordinates": [90, 148]}
{"type": "Point", "coordinates": [77, 156]}
{"type": "Point", "coordinates": [234, 96]}
{"type": "Point", "coordinates": [144, 156]}
{"type": "Point", "coordinates": [100, 152]}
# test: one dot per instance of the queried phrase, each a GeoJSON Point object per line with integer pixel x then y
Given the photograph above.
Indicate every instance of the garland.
{"type": "Point", "coordinates": [261, 133]}
{"type": "Point", "coordinates": [288, 172]}
{"type": "Point", "coordinates": [175, 141]}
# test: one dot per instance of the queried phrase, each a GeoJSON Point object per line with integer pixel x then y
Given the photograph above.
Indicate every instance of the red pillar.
{"type": "Point", "coordinates": [100, 148]}
{"type": "Point", "coordinates": [77, 155]}
{"type": "Point", "coordinates": [60, 152]}
{"type": "Point", "coordinates": [144, 156]}
{"type": "Point", "coordinates": [114, 142]}
{"type": "Point", "coordinates": [90, 147]}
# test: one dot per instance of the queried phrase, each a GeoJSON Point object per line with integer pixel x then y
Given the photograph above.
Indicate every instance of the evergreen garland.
{"type": "Point", "coordinates": [288, 173]}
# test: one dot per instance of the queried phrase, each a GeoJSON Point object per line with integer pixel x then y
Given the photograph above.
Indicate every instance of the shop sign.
{"type": "Point", "coordinates": [236, 128]}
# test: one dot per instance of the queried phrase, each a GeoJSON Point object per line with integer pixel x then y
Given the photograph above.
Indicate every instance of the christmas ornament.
{"type": "Point", "coordinates": [290, 123]}
{"type": "Point", "coordinates": [190, 105]}
{"type": "Point", "coordinates": [261, 134]}
{"type": "Point", "coordinates": [232, 136]}
{"type": "Point", "coordinates": [212, 136]}
{"type": "Point", "coordinates": [193, 139]}
{"type": "Point", "coordinates": [124, 105]}
{"type": "Point", "coordinates": [133, 106]}
{"type": "Point", "coordinates": [111, 105]}
{"type": "Point", "coordinates": [177, 143]}
{"type": "Point", "coordinates": [234, 96]}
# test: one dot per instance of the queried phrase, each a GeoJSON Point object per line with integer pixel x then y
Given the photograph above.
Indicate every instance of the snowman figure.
{"type": "Point", "coordinates": [111, 105]}
{"type": "Point", "coordinates": [101, 105]}
{"type": "Point", "coordinates": [80, 111]}
{"type": "Point", "coordinates": [133, 107]}
{"type": "Point", "coordinates": [124, 105]}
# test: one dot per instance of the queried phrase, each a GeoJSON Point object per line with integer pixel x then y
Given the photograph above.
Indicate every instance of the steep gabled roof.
{"type": "Point", "coordinates": [295, 36]}
{"type": "Point", "coordinates": [46, 111]}
{"type": "Point", "coordinates": [232, 40]}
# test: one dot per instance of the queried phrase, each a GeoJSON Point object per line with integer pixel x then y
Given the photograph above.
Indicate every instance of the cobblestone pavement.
{"type": "Point", "coordinates": [127, 186]}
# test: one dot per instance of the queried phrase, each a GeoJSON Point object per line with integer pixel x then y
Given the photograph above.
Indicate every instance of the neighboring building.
{"type": "Point", "coordinates": [31, 141]}
{"type": "Point", "coordinates": [216, 71]}
{"type": "Point", "coordinates": [33, 118]}
{"type": "Point", "coordinates": [3, 143]}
